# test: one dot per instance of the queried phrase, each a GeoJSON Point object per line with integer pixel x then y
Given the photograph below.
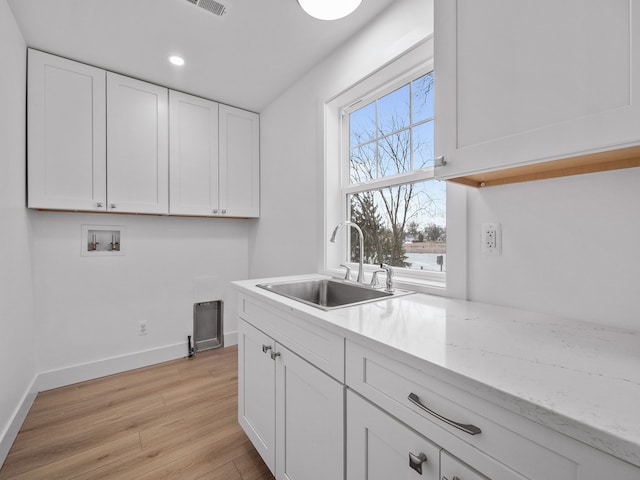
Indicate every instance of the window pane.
{"type": "Point", "coordinates": [395, 154]}
{"type": "Point", "coordinates": [393, 111]}
{"type": "Point", "coordinates": [403, 226]}
{"type": "Point", "coordinates": [422, 98]}
{"type": "Point", "coordinates": [362, 163]}
{"type": "Point", "coordinates": [362, 124]}
{"type": "Point", "coordinates": [423, 145]}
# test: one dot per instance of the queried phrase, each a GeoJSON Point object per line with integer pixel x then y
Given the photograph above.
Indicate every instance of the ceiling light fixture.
{"type": "Point", "coordinates": [176, 60]}
{"type": "Point", "coordinates": [329, 9]}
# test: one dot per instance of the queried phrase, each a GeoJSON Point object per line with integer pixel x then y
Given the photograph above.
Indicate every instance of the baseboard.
{"type": "Point", "coordinates": [88, 371]}
{"type": "Point", "coordinates": [230, 339]}
{"type": "Point", "coordinates": [10, 434]}
{"type": "Point", "coordinates": [101, 368]}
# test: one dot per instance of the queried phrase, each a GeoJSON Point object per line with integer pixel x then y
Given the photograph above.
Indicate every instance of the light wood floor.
{"type": "Point", "coordinates": [176, 420]}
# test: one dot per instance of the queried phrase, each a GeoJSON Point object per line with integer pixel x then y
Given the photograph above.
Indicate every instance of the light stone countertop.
{"type": "Point", "coordinates": [581, 379]}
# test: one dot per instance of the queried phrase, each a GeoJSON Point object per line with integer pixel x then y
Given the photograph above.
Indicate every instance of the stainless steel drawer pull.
{"type": "Point", "coordinates": [470, 429]}
{"type": "Point", "coordinates": [266, 348]}
{"type": "Point", "coordinates": [416, 461]}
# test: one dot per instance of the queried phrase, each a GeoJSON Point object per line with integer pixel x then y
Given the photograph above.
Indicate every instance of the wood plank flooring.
{"type": "Point", "coordinates": [175, 420]}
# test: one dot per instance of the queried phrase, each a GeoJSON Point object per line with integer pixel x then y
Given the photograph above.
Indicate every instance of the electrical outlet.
{"type": "Point", "coordinates": [142, 327]}
{"type": "Point", "coordinates": [491, 239]}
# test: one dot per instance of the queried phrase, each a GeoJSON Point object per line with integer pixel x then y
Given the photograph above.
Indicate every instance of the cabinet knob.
{"type": "Point", "coordinates": [416, 461]}
{"type": "Point", "coordinates": [453, 478]}
{"type": "Point", "coordinates": [266, 348]}
{"type": "Point", "coordinates": [274, 355]}
{"type": "Point", "coordinates": [224, 211]}
{"type": "Point", "coordinates": [215, 210]}
{"type": "Point", "coordinates": [99, 205]}
{"type": "Point", "coordinates": [113, 205]}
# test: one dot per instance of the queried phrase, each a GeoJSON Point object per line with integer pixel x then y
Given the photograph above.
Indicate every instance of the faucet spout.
{"type": "Point", "coordinates": [360, 278]}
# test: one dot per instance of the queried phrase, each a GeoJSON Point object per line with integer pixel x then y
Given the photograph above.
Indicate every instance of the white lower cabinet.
{"type": "Point", "coordinates": [292, 412]}
{"type": "Point", "coordinates": [257, 390]}
{"type": "Point", "coordinates": [396, 420]}
{"type": "Point", "coordinates": [498, 443]}
{"type": "Point", "coordinates": [381, 448]}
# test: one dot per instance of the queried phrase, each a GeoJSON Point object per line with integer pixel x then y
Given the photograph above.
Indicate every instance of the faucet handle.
{"type": "Point", "coordinates": [347, 275]}
{"type": "Point", "coordinates": [374, 278]}
{"type": "Point", "coordinates": [389, 271]}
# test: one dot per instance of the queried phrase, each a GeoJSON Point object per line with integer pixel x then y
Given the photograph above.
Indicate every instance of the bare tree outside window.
{"type": "Point", "coordinates": [403, 224]}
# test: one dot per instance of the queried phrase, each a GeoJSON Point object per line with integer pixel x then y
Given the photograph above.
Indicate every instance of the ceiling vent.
{"type": "Point", "coordinates": [212, 6]}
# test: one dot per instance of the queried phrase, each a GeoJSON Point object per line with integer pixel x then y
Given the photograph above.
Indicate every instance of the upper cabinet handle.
{"type": "Point", "coordinates": [113, 205]}
{"type": "Point", "coordinates": [439, 161]}
{"type": "Point", "coordinates": [99, 205]}
{"type": "Point", "coordinates": [470, 429]}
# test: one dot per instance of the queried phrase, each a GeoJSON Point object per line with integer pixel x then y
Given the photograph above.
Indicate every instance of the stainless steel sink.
{"type": "Point", "coordinates": [329, 294]}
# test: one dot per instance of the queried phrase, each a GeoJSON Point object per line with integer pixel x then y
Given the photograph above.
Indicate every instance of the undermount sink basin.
{"type": "Point", "coordinates": [328, 294]}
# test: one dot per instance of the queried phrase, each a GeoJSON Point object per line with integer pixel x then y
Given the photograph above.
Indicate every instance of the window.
{"type": "Point", "coordinates": [378, 147]}
{"type": "Point", "coordinates": [387, 183]}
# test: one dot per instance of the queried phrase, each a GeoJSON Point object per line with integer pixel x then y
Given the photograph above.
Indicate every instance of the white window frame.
{"type": "Point", "coordinates": [400, 71]}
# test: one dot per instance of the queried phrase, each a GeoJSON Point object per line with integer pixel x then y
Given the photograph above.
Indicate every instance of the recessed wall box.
{"type": "Point", "coordinates": [102, 240]}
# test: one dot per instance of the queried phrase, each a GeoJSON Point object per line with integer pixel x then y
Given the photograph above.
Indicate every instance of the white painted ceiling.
{"type": "Point", "coordinates": [246, 58]}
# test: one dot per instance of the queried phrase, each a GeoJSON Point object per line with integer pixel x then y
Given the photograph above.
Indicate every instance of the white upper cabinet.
{"type": "Point", "coordinates": [66, 134]}
{"type": "Point", "coordinates": [526, 82]}
{"type": "Point", "coordinates": [239, 162]}
{"type": "Point", "coordinates": [99, 141]}
{"type": "Point", "coordinates": [137, 145]}
{"type": "Point", "coordinates": [193, 159]}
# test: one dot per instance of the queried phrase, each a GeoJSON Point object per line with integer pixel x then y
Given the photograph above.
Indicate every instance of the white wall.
{"type": "Point", "coordinates": [287, 239]}
{"type": "Point", "coordinates": [88, 308]}
{"type": "Point", "coordinates": [17, 333]}
{"type": "Point", "coordinates": [571, 246]}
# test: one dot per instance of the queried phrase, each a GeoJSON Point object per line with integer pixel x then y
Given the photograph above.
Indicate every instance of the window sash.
{"type": "Point", "coordinates": [418, 175]}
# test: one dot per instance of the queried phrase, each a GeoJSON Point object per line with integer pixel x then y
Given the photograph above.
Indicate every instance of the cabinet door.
{"type": "Point", "coordinates": [66, 134]}
{"type": "Point", "coordinates": [523, 82]}
{"type": "Point", "coordinates": [193, 155]}
{"type": "Point", "coordinates": [310, 421]}
{"type": "Point", "coordinates": [256, 390]}
{"type": "Point", "coordinates": [137, 145]}
{"type": "Point", "coordinates": [381, 448]}
{"type": "Point", "coordinates": [454, 469]}
{"type": "Point", "coordinates": [239, 162]}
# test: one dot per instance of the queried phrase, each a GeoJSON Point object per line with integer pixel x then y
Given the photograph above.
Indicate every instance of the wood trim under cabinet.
{"type": "Point", "coordinates": [594, 162]}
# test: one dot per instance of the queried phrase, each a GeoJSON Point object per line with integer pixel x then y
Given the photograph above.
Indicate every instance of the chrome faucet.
{"type": "Point", "coordinates": [333, 240]}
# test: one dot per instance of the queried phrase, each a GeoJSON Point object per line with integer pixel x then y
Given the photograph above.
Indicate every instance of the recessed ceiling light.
{"type": "Point", "coordinates": [176, 60]}
{"type": "Point", "coordinates": [329, 9]}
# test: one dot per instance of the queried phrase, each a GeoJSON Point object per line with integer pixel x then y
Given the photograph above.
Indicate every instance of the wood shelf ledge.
{"type": "Point", "coordinates": [628, 157]}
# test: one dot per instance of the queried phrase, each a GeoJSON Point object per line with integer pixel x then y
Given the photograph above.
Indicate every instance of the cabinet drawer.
{"type": "Point", "coordinates": [381, 448]}
{"type": "Point", "coordinates": [320, 347]}
{"type": "Point", "coordinates": [437, 405]}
